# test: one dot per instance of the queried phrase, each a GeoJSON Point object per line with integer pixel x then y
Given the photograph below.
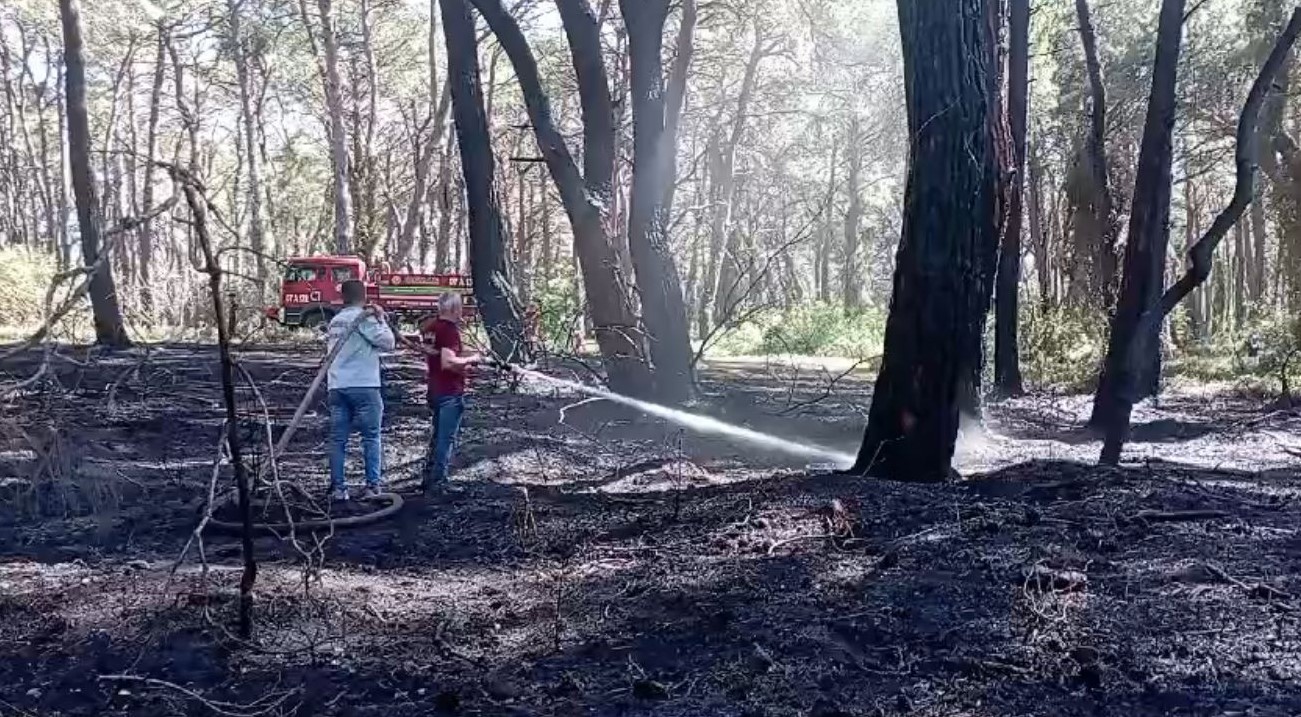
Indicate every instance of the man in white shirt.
{"type": "Point", "coordinates": [354, 381]}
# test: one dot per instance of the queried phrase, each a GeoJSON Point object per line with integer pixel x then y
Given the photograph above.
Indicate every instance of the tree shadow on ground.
{"type": "Point", "coordinates": [750, 591]}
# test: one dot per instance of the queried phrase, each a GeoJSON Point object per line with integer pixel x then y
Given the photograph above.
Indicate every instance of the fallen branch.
{"type": "Point", "coordinates": [828, 388]}
{"type": "Point", "coordinates": [1179, 516]}
{"type": "Point", "coordinates": [257, 708]}
{"type": "Point", "coordinates": [1259, 590]}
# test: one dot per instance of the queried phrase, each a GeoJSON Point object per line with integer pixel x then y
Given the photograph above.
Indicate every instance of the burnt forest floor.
{"type": "Point", "coordinates": [598, 562]}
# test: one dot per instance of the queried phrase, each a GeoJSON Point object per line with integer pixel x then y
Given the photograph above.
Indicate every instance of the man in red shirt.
{"type": "Point", "coordinates": [447, 364]}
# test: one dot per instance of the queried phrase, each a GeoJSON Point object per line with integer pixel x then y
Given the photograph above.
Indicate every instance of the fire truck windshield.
{"type": "Point", "coordinates": [298, 272]}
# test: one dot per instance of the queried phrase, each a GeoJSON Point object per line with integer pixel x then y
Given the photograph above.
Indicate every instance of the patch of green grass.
{"type": "Point", "coordinates": [806, 330]}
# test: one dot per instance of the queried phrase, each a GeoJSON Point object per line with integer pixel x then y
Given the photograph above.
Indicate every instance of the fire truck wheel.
{"type": "Point", "coordinates": [316, 318]}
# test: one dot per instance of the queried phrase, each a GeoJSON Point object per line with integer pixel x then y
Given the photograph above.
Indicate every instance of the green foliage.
{"type": "Point", "coordinates": [559, 312]}
{"type": "Point", "coordinates": [1277, 342]}
{"type": "Point", "coordinates": [1062, 347]}
{"type": "Point", "coordinates": [24, 278]}
{"type": "Point", "coordinates": [806, 330]}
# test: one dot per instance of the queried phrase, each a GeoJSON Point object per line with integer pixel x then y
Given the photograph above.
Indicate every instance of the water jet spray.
{"type": "Point", "coordinates": [700, 424]}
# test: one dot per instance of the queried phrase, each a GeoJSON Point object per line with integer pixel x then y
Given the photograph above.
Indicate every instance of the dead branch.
{"type": "Point", "coordinates": [1179, 516]}
{"type": "Point", "coordinates": [1262, 590]}
{"type": "Point", "coordinates": [258, 708]}
{"type": "Point", "coordinates": [828, 388]}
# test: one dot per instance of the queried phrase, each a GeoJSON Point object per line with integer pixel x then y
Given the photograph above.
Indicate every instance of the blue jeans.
{"type": "Point", "coordinates": [361, 409]}
{"type": "Point", "coordinates": [445, 412]}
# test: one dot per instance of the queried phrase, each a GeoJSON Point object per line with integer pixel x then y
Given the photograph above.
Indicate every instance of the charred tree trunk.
{"type": "Point", "coordinates": [109, 330]}
{"type": "Point", "coordinates": [586, 196]}
{"type": "Point", "coordinates": [489, 260]}
{"type": "Point", "coordinates": [658, 282]}
{"type": "Point", "coordinates": [1007, 357]}
{"type": "Point", "coordinates": [1133, 355]}
{"type": "Point", "coordinates": [1094, 217]}
{"type": "Point", "coordinates": [1126, 361]}
{"type": "Point", "coordinates": [941, 293]}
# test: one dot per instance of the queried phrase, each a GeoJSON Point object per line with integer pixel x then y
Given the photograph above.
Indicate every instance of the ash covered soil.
{"type": "Point", "coordinates": [598, 562]}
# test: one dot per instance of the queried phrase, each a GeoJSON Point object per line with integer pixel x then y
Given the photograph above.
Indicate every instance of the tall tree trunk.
{"type": "Point", "coordinates": [1040, 235]}
{"type": "Point", "coordinates": [723, 271]}
{"type": "Point", "coordinates": [658, 281]}
{"type": "Point", "coordinates": [823, 258]}
{"type": "Point", "coordinates": [446, 206]}
{"type": "Point", "coordinates": [145, 236]}
{"type": "Point", "coordinates": [1094, 217]}
{"type": "Point", "coordinates": [677, 95]}
{"type": "Point", "coordinates": [439, 103]}
{"type": "Point", "coordinates": [548, 240]}
{"type": "Point", "coordinates": [941, 295]}
{"type": "Point", "coordinates": [1128, 361]}
{"type": "Point", "coordinates": [1007, 357]}
{"type": "Point", "coordinates": [109, 330]}
{"type": "Point", "coordinates": [1241, 269]}
{"type": "Point", "coordinates": [1133, 354]}
{"type": "Point", "coordinates": [328, 69]}
{"type": "Point", "coordinates": [253, 190]}
{"type": "Point", "coordinates": [489, 260]}
{"type": "Point", "coordinates": [1265, 18]}
{"type": "Point", "coordinates": [1197, 317]}
{"type": "Point", "coordinates": [851, 277]}
{"type": "Point", "coordinates": [586, 196]}
{"type": "Point", "coordinates": [60, 111]}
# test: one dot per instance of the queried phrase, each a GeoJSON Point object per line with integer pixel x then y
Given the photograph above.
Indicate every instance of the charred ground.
{"type": "Point", "coordinates": [601, 563]}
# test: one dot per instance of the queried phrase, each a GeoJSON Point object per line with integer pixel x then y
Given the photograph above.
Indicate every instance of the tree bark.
{"type": "Point", "coordinates": [1007, 357]}
{"type": "Point", "coordinates": [1133, 354]}
{"type": "Point", "coordinates": [489, 260]}
{"type": "Point", "coordinates": [951, 224]}
{"type": "Point", "coordinates": [658, 281]}
{"type": "Point", "coordinates": [109, 330]}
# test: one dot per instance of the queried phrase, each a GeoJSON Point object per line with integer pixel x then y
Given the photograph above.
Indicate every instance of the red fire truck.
{"type": "Point", "coordinates": [310, 293]}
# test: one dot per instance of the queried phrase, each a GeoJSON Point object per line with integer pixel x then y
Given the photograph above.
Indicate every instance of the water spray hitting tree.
{"type": "Point", "coordinates": [950, 236]}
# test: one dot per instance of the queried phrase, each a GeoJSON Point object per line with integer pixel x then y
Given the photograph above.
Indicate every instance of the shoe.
{"type": "Point", "coordinates": [339, 495]}
{"type": "Point", "coordinates": [371, 492]}
{"type": "Point", "coordinates": [440, 487]}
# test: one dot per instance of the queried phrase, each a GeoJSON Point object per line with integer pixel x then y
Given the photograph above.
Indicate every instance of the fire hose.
{"type": "Point", "coordinates": [394, 500]}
